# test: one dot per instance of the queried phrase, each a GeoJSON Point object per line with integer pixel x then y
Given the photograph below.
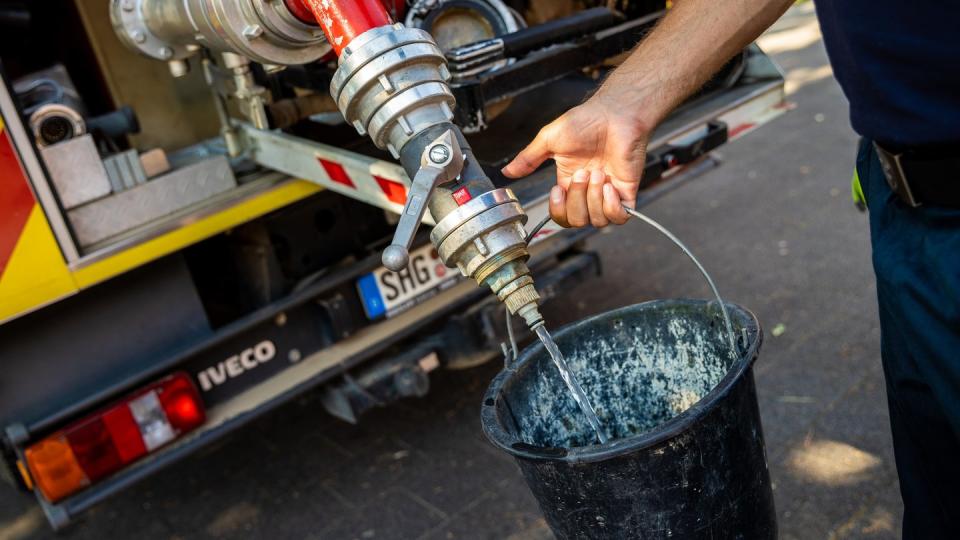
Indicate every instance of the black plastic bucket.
{"type": "Point", "coordinates": [686, 457]}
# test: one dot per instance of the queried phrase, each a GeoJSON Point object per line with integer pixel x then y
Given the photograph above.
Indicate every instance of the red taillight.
{"type": "Point", "coordinates": [181, 402]}
{"type": "Point", "coordinates": [105, 442]}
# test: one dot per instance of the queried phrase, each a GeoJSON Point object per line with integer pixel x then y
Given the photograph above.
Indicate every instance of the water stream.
{"type": "Point", "coordinates": [571, 381]}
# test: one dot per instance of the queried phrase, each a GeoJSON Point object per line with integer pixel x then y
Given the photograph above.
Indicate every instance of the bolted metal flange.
{"type": "Point", "coordinates": [263, 30]}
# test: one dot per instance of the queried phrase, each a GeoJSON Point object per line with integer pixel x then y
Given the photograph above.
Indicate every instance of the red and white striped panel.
{"type": "Point", "coordinates": [373, 181]}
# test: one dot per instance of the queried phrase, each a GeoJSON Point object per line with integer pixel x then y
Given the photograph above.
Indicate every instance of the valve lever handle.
{"type": "Point", "coordinates": [441, 162]}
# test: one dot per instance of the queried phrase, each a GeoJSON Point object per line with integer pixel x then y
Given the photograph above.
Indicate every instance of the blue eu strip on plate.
{"type": "Point", "coordinates": [370, 293]}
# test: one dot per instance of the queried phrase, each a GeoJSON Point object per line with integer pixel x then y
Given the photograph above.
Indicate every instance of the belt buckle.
{"type": "Point", "coordinates": [896, 177]}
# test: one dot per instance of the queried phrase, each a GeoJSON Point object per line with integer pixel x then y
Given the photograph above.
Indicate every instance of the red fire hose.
{"type": "Point", "coordinates": [341, 20]}
{"type": "Point", "coordinates": [300, 11]}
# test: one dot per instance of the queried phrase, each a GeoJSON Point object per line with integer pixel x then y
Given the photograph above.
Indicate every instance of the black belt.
{"type": "Point", "coordinates": [921, 179]}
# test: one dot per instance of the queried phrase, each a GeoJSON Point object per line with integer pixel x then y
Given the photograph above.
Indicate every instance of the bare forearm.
{"type": "Point", "coordinates": [689, 45]}
{"type": "Point", "coordinates": [600, 146]}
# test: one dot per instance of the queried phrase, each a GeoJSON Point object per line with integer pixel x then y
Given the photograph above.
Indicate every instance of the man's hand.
{"type": "Point", "coordinates": [599, 152]}
{"type": "Point", "coordinates": [600, 147]}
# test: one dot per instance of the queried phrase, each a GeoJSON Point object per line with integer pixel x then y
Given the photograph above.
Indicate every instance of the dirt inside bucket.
{"type": "Point", "coordinates": [638, 370]}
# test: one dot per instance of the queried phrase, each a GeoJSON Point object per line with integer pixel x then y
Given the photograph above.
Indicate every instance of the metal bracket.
{"type": "Point", "coordinates": [441, 162]}
{"type": "Point", "coordinates": [218, 79]}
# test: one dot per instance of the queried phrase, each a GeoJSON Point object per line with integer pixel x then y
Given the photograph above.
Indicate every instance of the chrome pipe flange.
{"type": "Point", "coordinates": [132, 26]}
{"type": "Point", "coordinates": [279, 22]}
{"type": "Point", "coordinates": [262, 30]}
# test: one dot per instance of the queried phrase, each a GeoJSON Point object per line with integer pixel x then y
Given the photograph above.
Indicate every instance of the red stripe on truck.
{"type": "Point", "coordinates": [16, 199]}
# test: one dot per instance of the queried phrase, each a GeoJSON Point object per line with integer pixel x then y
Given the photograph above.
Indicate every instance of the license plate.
{"type": "Point", "coordinates": [386, 293]}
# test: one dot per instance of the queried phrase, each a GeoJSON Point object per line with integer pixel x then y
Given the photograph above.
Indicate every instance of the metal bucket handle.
{"type": "Point", "coordinates": [510, 354]}
{"type": "Point", "coordinates": [723, 307]}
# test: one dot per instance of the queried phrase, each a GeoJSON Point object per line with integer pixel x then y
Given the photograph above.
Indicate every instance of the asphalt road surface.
{"type": "Point", "coordinates": [775, 226]}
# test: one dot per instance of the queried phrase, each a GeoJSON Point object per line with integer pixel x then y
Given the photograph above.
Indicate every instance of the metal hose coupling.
{"type": "Point", "coordinates": [486, 241]}
{"type": "Point", "coordinates": [392, 84]}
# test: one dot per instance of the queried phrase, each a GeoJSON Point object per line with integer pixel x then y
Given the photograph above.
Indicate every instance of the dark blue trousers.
{"type": "Point", "coordinates": [916, 256]}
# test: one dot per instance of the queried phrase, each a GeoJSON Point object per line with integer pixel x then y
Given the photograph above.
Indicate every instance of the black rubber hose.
{"type": "Point", "coordinates": [118, 123]}
{"type": "Point", "coordinates": [579, 24]}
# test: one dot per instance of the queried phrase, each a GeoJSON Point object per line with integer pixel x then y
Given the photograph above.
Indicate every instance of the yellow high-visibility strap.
{"type": "Point", "coordinates": [856, 191]}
